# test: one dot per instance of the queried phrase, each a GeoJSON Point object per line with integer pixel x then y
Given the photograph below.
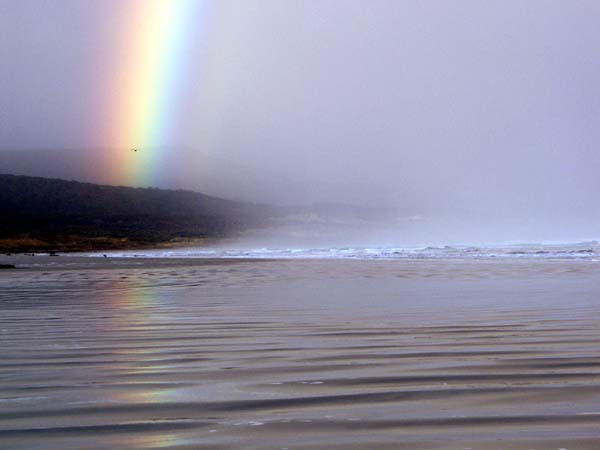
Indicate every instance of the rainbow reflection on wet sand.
{"type": "Point", "coordinates": [199, 354]}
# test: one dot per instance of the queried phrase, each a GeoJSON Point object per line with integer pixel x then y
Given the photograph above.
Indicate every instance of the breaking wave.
{"type": "Point", "coordinates": [589, 250]}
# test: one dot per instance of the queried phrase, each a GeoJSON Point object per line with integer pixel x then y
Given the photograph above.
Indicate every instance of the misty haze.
{"type": "Point", "coordinates": [299, 224]}
{"type": "Point", "coordinates": [479, 116]}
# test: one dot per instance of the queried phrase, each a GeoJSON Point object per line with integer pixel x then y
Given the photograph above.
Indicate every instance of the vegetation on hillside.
{"type": "Point", "coordinates": [41, 214]}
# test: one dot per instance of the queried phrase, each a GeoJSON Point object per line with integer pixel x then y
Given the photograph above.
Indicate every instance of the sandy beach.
{"type": "Point", "coordinates": [109, 353]}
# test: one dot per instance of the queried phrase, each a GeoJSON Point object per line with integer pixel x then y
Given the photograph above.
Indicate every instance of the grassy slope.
{"type": "Point", "coordinates": [41, 214]}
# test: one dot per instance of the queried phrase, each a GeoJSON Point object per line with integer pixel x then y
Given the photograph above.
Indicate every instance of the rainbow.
{"type": "Point", "coordinates": [153, 41]}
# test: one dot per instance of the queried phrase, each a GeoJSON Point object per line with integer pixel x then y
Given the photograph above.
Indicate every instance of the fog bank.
{"type": "Point", "coordinates": [478, 116]}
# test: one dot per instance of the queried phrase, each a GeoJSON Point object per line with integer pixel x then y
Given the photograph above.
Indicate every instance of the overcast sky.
{"type": "Point", "coordinates": [464, 106]}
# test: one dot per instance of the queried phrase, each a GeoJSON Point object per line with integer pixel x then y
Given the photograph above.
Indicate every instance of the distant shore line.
{"type": "Point", "coordinates": [78, 244]}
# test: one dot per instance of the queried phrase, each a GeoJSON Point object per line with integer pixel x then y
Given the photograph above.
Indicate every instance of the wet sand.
{"type": "Point", "coordinates": [220, 354]}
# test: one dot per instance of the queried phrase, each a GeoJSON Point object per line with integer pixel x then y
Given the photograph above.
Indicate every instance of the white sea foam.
{"type": "Point", "coordinates": [588, 250]}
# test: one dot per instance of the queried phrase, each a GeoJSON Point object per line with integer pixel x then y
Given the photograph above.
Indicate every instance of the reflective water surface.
{"type": "Point", "coordinates": [205, 354]}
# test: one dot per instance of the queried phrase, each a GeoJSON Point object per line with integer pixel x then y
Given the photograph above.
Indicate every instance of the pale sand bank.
{"type": "Point", "coordinates": [218, 354]}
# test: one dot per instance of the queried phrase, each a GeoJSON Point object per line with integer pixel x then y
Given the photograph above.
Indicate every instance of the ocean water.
{"type": "Point", "coordinates": [587, 250]}
{"type": "Point", "coordinates": [310, 354]}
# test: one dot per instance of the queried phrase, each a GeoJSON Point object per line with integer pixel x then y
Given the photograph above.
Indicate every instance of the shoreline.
{"type": "Point", "coordinates": [417, 268]}
{"type": "Point", "coordinates": [78, 244]}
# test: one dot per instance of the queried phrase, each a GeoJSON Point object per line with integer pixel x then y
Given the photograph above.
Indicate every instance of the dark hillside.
{"type": "Point", "coordinates": [52, 214]}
